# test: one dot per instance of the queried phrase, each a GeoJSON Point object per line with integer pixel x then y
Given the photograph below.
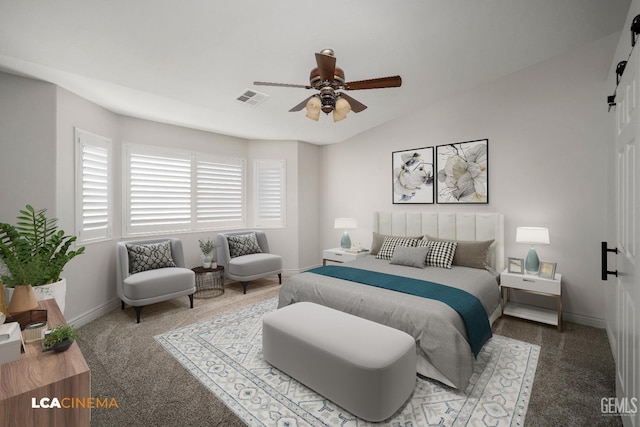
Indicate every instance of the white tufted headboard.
{"type": "Point", "coordinates": [474, 226]}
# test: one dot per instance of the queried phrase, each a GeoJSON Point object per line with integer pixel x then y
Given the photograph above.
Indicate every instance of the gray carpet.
{"type": "Point", "coordinates": [574, 372]}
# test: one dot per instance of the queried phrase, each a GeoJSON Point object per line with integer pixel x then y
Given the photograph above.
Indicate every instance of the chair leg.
{"type": "Point", "coordinates": [121, 304]}
{"type": "Point", "coordinates": [191, 300]}
{"type": "Point", "coordinates": [138, 310]}
{"type": "Point", "coordinates": [280, 278]}
{"type": "Point", "coordinates": [244, 287]}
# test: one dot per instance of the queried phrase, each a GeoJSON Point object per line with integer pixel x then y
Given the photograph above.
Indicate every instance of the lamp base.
{"type": "Point", "coordinates": [345, 243]}
{"type": "Point", "coordinates": [532, 263]}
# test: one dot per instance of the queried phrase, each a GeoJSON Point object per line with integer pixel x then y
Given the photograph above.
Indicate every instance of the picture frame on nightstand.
{"type": "Point", "coordinates": [547, 270]}
{"type": "Point", "coordinates": [516, 265]}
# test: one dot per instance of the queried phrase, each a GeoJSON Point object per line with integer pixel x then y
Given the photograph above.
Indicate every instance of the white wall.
{"type": "Point", "coordinates": [548, 130]}
{"type": "Point", "coordinates": [27, 145]}
{"type": "Point", "coordinates": [37, 123]}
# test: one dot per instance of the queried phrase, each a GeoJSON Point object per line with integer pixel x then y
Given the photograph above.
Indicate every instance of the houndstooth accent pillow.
{"type": "Point", "coordinates": [243, 244]}
{"type": "Point", "coordinates": [440, 253]}
{"type": "Point", "coordinates": [149, 256]}
{"type": "Point", "coordinates": [390, 243]}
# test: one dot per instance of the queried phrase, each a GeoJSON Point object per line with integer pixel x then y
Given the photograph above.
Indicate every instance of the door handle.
{"type": "Point", "coordinates": [605, 270]}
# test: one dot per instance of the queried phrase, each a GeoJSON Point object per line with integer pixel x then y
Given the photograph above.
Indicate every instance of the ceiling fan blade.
{"type": "Point", "coordinates": [326, 66]}
{"type": "Point", "coordinates": [356, 106]}
{"type": "Point", "coordinates": [281, 85]}
{"type": "Point", "coordinates": [301, 105]}
{"type": "Point", "coordinates": [382, 82]}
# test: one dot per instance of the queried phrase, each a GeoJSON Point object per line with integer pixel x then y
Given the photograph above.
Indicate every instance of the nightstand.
{"type": "Point", "coordinates": [533, 285]}
{"type": "Point", "coordinates": [340, 255]}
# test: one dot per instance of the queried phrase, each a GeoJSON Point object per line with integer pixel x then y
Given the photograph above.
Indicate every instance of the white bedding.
{"type": "Point", "coordinates": [441, 337]}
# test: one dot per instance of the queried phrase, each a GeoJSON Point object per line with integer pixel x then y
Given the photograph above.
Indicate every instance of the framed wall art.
{"type": "Point", "coordinates": [413, 173]}
{"type": "Point", "coordinates": [463, 172]}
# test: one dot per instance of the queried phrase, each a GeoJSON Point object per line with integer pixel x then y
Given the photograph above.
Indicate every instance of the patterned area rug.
{"type": "Point", "coordinates": [225, 354]}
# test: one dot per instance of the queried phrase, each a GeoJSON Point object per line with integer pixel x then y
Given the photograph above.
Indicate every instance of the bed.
{"type": "Point", "coordinates": [443, 345]}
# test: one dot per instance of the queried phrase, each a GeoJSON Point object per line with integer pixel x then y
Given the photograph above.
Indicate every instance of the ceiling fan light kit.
{"type": "Point", "coordinates": [328, 79]}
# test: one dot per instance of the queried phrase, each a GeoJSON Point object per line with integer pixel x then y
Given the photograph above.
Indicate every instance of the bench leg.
{"type": "Point", "coordinates": [244, 287]}
{"type": "Point", "coordinates": [280, 278]}
{"type": "Point", "coordinates": [138, 310]}
{"type": "Point", "coordinates": [191, 299]}
{"type": "Point", "coordinates": [121, 304]}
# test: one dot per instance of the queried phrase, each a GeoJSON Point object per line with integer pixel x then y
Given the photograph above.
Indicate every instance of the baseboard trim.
{"type": "Point", "coordinates": [585, 320]}
{"type": "Point", "coordinates": [92, 315]}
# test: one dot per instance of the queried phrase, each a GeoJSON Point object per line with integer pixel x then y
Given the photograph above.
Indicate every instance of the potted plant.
{"type": "Point", "coordinates": [207, 247]}
{"type": "Point", "coordinates": [34, 252]}
{"type": "Point", "coordinates": [60, 338]}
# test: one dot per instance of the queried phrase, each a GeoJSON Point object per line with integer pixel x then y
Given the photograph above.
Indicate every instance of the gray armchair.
{"type": "Point", "coordinates": [251, 266]}
{"type": "Point", "coordinates": [164, 277]}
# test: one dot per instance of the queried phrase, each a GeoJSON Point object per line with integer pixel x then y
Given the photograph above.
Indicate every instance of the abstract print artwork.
{"type": "Point", "coordinates": [463, 172]}
{"type": "Point", "coordinates": [413, 173]}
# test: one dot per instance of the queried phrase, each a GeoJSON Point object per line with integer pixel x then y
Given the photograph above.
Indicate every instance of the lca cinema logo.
{"type": "Point", "coordinates": [625, 406]}
{"type": "Point", "coordinates": [73, 403]}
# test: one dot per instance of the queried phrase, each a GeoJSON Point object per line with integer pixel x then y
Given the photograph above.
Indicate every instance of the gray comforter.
{"type": "Point", "coordinates": [441, 337]}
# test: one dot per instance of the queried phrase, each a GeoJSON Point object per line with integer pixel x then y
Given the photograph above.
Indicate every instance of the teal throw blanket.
{"type": "Point", "coordinates": [467, 305]}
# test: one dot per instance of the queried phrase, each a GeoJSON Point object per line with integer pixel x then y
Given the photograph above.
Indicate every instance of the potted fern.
{"type": "Point", "coordinates": [34, 252]}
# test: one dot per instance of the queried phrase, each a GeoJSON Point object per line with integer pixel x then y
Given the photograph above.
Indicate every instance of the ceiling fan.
{"type": "Point", "coordinates": [328, 79]}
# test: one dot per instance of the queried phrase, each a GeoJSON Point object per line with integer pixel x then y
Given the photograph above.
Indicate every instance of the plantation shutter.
{"type": "Point", "coordinates": [159, 190]}
{"type": "Point", "coordinates": [269, 193]}
{"type": "Point", "coordinates": [94, 217]}
{"type": "Point", "coordinates": [219, 187]}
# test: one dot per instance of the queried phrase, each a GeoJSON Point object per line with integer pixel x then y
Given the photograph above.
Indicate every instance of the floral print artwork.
{"type": "Point", "coordinates": [462, 172]}
{"type": "Point", "coordinates": [413, 175]}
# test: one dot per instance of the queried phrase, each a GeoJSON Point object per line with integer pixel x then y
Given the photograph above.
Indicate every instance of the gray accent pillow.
{"type": "Point", "coordinates": [243, 244]}
{"type": "Point", "coordinates": [149, 256]}
{"type": "Point", "coordinates": [474, 254]}
{"type": "Point", "coordinates": [378, 240]}
{"type": "Point", "coordinates": [390, 244]}
{"type": "Point", "coordinates": [411, 257]}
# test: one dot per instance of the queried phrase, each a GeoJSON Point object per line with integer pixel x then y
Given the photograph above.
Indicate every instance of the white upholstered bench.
{"type": "Point", "coordinates": [367, 368]}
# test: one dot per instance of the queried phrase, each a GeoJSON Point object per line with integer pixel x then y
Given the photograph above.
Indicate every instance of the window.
{"type": "Point", "coordinates": [219, 192]}
{"type": "Point", "coordinates": [270, 195]}
{"type": "Point", "coordinates": [94, 194]}
{"type": "Point", "coordinates": [171, 190]}
{"type": "Point", "coordinates": [159, 190]}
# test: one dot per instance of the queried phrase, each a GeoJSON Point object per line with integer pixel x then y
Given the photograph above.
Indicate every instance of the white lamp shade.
{"type": "Point", "coordinates": [532, 235]}
{"type": "Point", "coordinates": [345, 224]}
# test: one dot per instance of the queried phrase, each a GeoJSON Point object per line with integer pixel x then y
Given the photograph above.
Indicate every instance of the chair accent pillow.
{"type": "Point", "coordinates": [390, 244]}
{"type": "Point", "coordinates": [149, 256]}
{"type": "Point", "coordinates": [440, 253]}
{"type": "Point", "coordinates": [243, 244]}
{"type": "Point", "coordinates": [411, 257]}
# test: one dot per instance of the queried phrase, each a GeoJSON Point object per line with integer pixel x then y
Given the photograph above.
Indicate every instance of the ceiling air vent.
{"type": "Point", "coordinates": [252, 97]}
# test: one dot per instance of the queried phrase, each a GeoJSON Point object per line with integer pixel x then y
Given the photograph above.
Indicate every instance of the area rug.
{"type": "Point", "coordinates": [225, 354]}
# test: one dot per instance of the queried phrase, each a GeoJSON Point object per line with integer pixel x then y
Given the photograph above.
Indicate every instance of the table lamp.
{"type": "Point", "coordinates": [532, 236]}
{"type": "Point", "coordinates": [345, 224]}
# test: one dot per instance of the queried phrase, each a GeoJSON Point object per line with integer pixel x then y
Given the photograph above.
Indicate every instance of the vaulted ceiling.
{"type": "Point", "coordinates": [185, 62]}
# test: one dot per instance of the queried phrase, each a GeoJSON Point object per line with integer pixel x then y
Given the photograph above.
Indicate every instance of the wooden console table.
{"type": "Point", "coordinates": [38, 375]}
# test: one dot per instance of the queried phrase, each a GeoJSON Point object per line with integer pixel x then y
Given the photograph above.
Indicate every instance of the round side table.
{"type": "Point", "coordinates": [209, 282]}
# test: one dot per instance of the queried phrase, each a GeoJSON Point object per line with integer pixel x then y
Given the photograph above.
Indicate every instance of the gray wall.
{"type": "Point", "coordinates": [548, 130]}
